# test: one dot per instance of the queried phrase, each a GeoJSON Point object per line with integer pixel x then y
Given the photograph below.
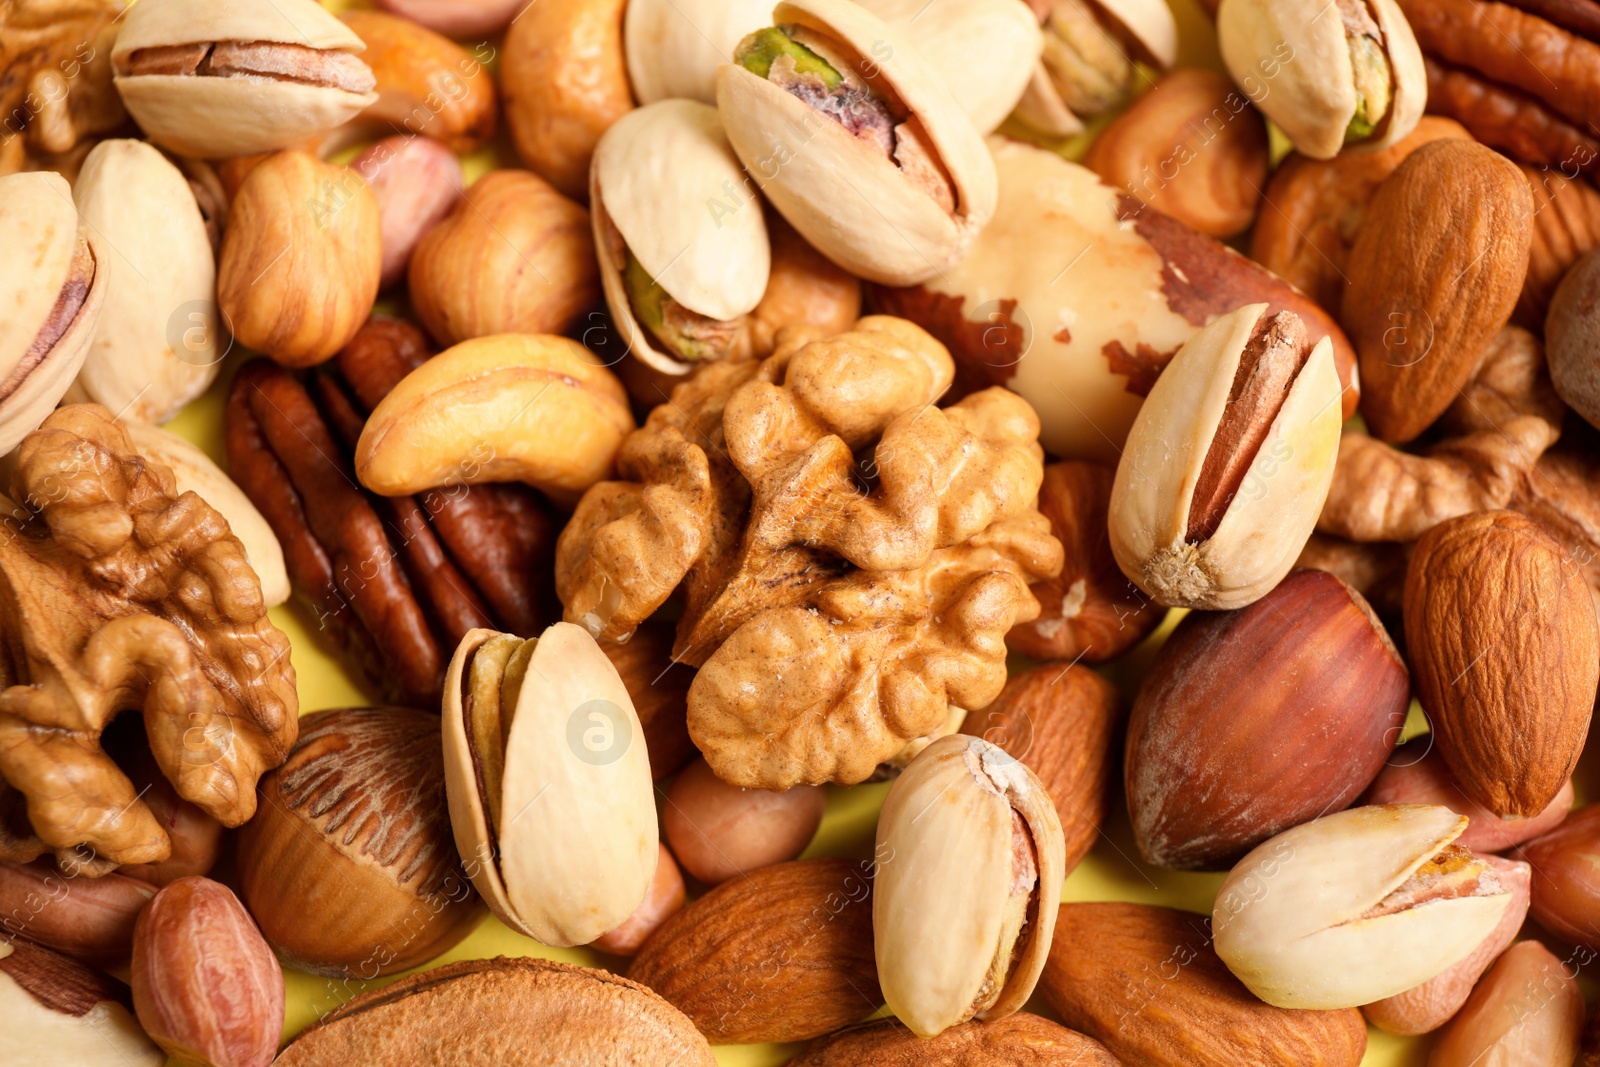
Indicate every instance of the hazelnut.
{"type": "Point", "coordinates": [349, 864]}
{"type": "Point", "coordinates": [1215, 767]}
{"type": "Point", "coordinates": [205, 985]}
{"type": "Point", "coordinates": [664, 897]}
{"type": "Point", "coordinates": [719, 830]}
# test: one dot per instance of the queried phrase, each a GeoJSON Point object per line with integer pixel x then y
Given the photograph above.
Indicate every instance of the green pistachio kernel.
{"type": "Point", "coordinates": [1372, 79]}
{"type": "Point", "coordinates": [757, 52]}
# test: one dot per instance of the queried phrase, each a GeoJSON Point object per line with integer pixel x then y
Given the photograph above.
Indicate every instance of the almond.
{"type": "Point", "coordinates": [1505, 656]}
{"type": "Point", "coordinates": [784, 953]}
{"type": "Point", "coordinates": [1019, 1040]}
{"type": "Point", "coordinates": [1434, 274]}
{"type": "Point", "coordinates": [1145, 981]}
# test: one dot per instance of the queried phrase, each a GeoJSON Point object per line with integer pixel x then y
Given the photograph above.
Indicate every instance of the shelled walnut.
{"type": "Point", "coordinates": [851, 555]}
{"type": "Point", "coordinates": [397, 580]}
{"type": "Point", "coordinates": [117, 594]}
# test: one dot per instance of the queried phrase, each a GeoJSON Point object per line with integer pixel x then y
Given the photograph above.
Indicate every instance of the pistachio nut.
{"type": "Point", "coordinates": [1329, 74]}
{"type": "Point", "coordinates": [194, 472]}
{"type": "Point", "coordinates": [548, 783]}
{"type": "Point", "coordinates": [212, 80]}
{"type": "Point", "coordinates": [1087, 66]}
{"type": "Point", "coordinates": [1228, 462]}
{"type": "Point", "coordinates": [156, 345]}
{"type": "Point", "coordinates": [674, 47]}
{"type": "Point", "coordinates": [53, 282]}
{"type": "Point", "coordinates": [970, 864]}
{"type": "Point", "coordinates": [986, 50]}
{"type": "Point", "coordinates": [1355, 907]}
{"type": "Point", "coordinates": [681, 270]}
{"type": "Point", "coordinates": [860, 146]}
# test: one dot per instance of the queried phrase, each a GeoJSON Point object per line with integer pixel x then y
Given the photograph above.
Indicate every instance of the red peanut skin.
{"type": "Point", "coordinates": [1566, 877]}
{"type": "Point", "coordinates": [89, 919]}
{"type": "Point", "coordinates": [1410, 779]}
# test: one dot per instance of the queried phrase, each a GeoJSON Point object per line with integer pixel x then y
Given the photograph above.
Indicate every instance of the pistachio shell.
{"type": "Point", "coordinates": [1312, 93]}
{"type": "Point", "coordinates": [1268, 522]}
{"type": "Point", "coordinates": [660, 176]}
{"type": "Point", "coordinates": [216, 117]}
{"type": "Point", "coordinates": [674, 47]}
{"type": "Point", "coordinates": [1149, 25]}
{"type": "Point", "coordinates": [1292, 919]}
{"type": "Point", "coordinates": [39, 229]}
{"type": "Point", "coordinates": [576, 845]}
{"type": "Point", "coordinates": [945, 857]}
{"type": "Point", "coordinates": [844, 196]}
{"type": "Point", "coordinates": [986, 50]}
{"type": "Point", "coordinates": [156, 346]}
{"type": "Point", "coordinates": [194, 472]}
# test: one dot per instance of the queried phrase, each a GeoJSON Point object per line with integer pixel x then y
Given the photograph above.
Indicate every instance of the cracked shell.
{"type": "Point", "coordinates": [53, 283]}
{"type": "Point", "coordinates": [214, 117]}
{"type": "Point", "coordinates": [548, 783]}
{"type": "Point", "coordinates": [1355, 907]}
{"type": "Point", "coordinates": [656, 193]}
{"type": "Point", "coordinates": [970, 864]}
{"type": "Point", "coordinates": [1246, 540]}
{"type": "Point", "coordinates": [887, 217]}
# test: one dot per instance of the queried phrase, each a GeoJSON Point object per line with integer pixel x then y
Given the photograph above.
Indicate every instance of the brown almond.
{"type": "Point", "coordinates": [1020, 1040]}
{"type": "Point", "coordinates": [503, 1013]}
{"type": "Point", "coordinates": [784, 953]}
{"type": "Point", "coordinates": [1062, 722]}
{"type": "Point", "coordinates": [1434, 274]}
{"type": "Point", "coordinates": [1505, 656]}
{"type": "Point", "coordinates": [1146, 982]}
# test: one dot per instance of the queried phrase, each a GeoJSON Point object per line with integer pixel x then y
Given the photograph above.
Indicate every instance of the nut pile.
{"type": "Point", "coordinates": [826, 563]}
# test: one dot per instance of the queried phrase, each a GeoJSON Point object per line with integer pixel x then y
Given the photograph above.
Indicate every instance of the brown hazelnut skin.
{"type": "Point", "coordinates": [719, 830]}
{"type": "Point", "coordinates": [515, 256]}
{"type": "Point", "coordinates": [1252, 721]}
{"type": "Point", "coordinates": [1566, 878]}
{"type": "Point", "coordinates": [665, 896]}
{"type": "Point", "coordinates": [349, 865]}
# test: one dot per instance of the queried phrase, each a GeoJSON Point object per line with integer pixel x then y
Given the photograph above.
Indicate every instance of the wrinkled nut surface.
{"type": "Point", "coordinates": [1354, 907]}
{"type": "Point", "coordinates": [57, 1011]}
{"type": "Point", "coordinates": [158, 344]}
{"type": "Point", "coordinates": [1192, 147]}
{"type": "Point", "coordinates": [680, 280]}
{"type": "Point", "coordinates": [1434, 275]}
{"type": "Point", "coordinates": [1228, 462]}
{"type": "Point", "coordinates": [970, 865]}
{"type": "Point", "coordinates": [207, 988]}
{"type": "Point", "coordinates": [782, 954]}
{"type": "Point", "coordinates": [720, 831]}
{"type": "Point", "coordinates": [1424, 1008]}
{"type": "Point", "coordinates": [893, 182]}
{"type": "Point", "coordinates": [1510, 707]}
{"type": "Point", "coordinates": [503, 1013]}
{"type": "Point", "coordinates": [349, 865]}
{"type": "Point", "coordinates": [427, 84]}
{"type": "Point", "coordinates": [1348, 73]}
{"type": "Point", "coordinates": [1214, 768]}
{"type": "Point", "coordinates": [1572, 338]}
{"type": "Point", "coordinates": [1014, 1041]}
{"type": "Point", "coordinates": [211, 81]}
{"type": "Point", "coordinates": [512, 408]}
{"type": "Point", "coordinates": [1145, 981]}
{"type": "Point", "coordinates": [564, 81]}
{"type": "Point", "coordinates": [300, 259]}
{"type": "Point", "coordinates": [417, 182]}
{"type": "Point", "coordinates": [1527, 1009]}
{"type": "Point", "coordinates": [192, 470]}
{"type": "Point", "coordinates": [548, 783]}
{"type": "Point", "coordinates": [53, 284]}
{"type": "Point", "coordinates": [514, 256]}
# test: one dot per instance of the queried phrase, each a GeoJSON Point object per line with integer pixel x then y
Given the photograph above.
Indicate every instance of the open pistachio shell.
{"type": "Point", "coordinates": [986, 50]}
{"type": "Point", "coordinates": [53, 284]}
{"type": "Point", "coordinates": [1269, 519]}
{"type": "Point", "coordinates": [674, 47]}
{"type": "Point", "coordinates": [1356, 906]}
{"type": "Point", "coordinates": [849, 198]}
{"type": "Point", "coordinates": [548, 783]}
{"type": "Point", "coordinates": [658, 189]}
{"type": "Point", "coordinates": [970, 864]}
{"type": "Point", "coordinates": [1296, 51]}
{"type": "Point", "coordinates": [156, 346]}
{"type": "Point", "coordinates": [212, 117]}
{"type": "Point", "coordinates": [1142, 30]}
